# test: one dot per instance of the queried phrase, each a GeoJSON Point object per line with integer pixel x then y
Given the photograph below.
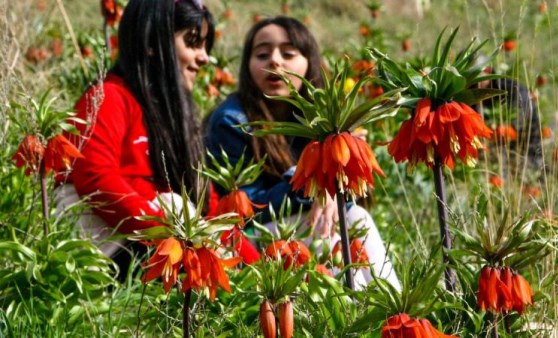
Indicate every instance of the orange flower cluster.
{"type": "Point", "coordinates": [202, 266]}
{"type": "Point", "coordinates": [57, 155]}
{"type": "Point", "coordinates": [237, 201]}
{"type": "Point", "coordinates": [292, 253]}
{"type": "Point", "coordinates": [502, 290]}
{"type": "Point", "coordinates": [452, 129]}
{"type": "Point", "coordinates": [403, 326]}
{"type": "Point", "coordinates": [356, 248]}
{"type": "Point", "coordinates": [342, 161]}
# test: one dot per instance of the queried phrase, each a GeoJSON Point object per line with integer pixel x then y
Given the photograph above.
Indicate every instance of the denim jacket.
{"type": "Point", "coordinates": [222, 132]}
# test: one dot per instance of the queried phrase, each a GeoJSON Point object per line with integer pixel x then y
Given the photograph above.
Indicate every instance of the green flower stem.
{"type": "Point", "coordinates": [439, 182]}
{"type": "Point", "coordinates": [186, 314]}
{"type": "Point", "coordinates": [106, 33]}
{"type": "Point", "coordinates": [44, 195]}
{"type": "Point", "coordinates": [344, 240]}
{"type": "Point", "coordinates": [495, 327]}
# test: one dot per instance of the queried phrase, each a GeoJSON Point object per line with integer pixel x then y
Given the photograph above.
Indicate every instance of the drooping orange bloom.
{"type": "Point", "coordinates": [453, 129]}
{"type": "Point", "coordinates": [211, 273]}
{"type": "Point", "coordinates": [501, 290]}
{"type": "Point", "coordinates": [357, 250]}
{"type": "Point", "coordinates": [341, 162]}
{"type": "Point", "coordinates": [430, 331]}
{"type": "Point", "coordinates": [30, 154]}
{"type": "Point", "coordinates": [59, 154]}
{"type": "Point", "coordinates": [403, 326]}
{"type": "Point", "coordinates": [237, 201]}
{"type": "Point", "coordinates": [522, 294]}
{"type": "Point", "coordinates": [505, 133]}
{"type": "Point", "coordinates": [165, 262]}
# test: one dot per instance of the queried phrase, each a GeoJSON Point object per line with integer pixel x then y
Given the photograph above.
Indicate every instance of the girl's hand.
{"type": "Point", "coordinates": [324, 216]}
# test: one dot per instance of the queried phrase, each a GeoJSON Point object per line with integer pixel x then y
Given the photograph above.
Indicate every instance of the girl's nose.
{"type": "Point", "coordinates": [201, 57]}
{"type": "Point", "coordinates": [275, 59]}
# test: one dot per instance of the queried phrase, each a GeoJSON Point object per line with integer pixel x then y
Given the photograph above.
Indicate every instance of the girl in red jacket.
{"type": "Point", "coordinates": [142, 139]}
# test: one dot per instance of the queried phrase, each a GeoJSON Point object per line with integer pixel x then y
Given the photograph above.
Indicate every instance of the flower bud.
{"type": "Point", "coordinates": [267, 320]}
{"type": "Point", "coordinates": [286, 323]}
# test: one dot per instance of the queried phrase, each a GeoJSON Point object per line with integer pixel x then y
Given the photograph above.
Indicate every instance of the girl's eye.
{"type": "Point", "coordinates": [262, 56]}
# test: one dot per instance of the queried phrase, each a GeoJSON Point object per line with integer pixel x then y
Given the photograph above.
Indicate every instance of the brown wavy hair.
{"type": "Point", "coordinates": [279, 159]}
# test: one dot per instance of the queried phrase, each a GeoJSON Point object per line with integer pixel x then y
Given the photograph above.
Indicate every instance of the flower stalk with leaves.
{"type": "Point", "coordinates": [404, 311]}
{"type": "Point", "coordinates": [504, 245]}
{"type": "Point", "coordinates": [186, 241]}
{"type": "Point", "coordinates": [334, 162]}
{"type": "Point", "coordinates": [44, 148]}
{"type": "Point", "coordinates": [443, 125]}
{"type": "Point", "coordinates": [231, 179]}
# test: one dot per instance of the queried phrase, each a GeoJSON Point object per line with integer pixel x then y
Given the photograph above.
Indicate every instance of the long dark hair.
{"type": "Point", "coordinates": [147, 62]}
{"type": "Point", "coordinates": [251, 97]}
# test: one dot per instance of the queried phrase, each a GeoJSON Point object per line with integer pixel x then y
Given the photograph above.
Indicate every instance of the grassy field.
{"type": "Point", "coordinates": [48, 287]}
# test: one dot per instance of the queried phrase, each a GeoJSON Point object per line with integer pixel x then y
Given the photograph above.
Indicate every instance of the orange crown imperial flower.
{"type": "Point", "coordinates": [30, 153]}
{"type": "Point", "coordinates": [440, 94]}
{"type": "Point", "coordinates": [453, 129]}
{"type": "Point", "coordinates": [333, 160]}
{"type": "Point", "coordinates": [204, 268]}
{"type": "Point", "coordinates": [165, 262]}
{"type": "Point", "coordinates": [341, 162]}
{"type": "Point", "coordinates": [402, 325]}
{"type": "Point", "coordinates": [238, 202]}
{"type": "Point", "coordinates": [57, 155]}
{"type": "Point", "coordinates": [293, 253]}
{"type": "Point", "coordinates": [357, 250]}
{"type": "Point", "coordinates": [231, 178]}
{"type": "Point", "coordinates": [501, 290]}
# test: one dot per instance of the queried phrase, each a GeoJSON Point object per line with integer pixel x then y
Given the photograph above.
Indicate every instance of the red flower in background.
{"type": "Point", "coordinates": [403, 326]}
{"type": "Point", "coordinates": [165, 262]}
{"type": "Point", "coordinates": [30, 154]}
{"type": "Point", "coordinates": [453, 129]}
{"type": "Point", "coordinates": [237, 201]}
{"type": "Point", "coordinates": [111, 11]}
{"type": "Point", "coordinates": [505, 133]}
{"type": "Point", "coordinates": [292, 253]}
{"type": "Point", "coordinates": [496, 181]}
{"type": "Point", "coordinates": [357, 250]}
{"type": "Point", "coordinates": [341, 161]}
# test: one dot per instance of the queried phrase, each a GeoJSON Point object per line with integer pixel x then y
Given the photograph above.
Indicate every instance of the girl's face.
{"type": "Point", "coordinates": [190, 54]}
{"type": "Point", "coordinates": [273, 50]}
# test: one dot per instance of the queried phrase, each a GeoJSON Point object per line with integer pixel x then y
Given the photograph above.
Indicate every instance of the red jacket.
{"type": "Point", "coordinates": [115, 171]}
